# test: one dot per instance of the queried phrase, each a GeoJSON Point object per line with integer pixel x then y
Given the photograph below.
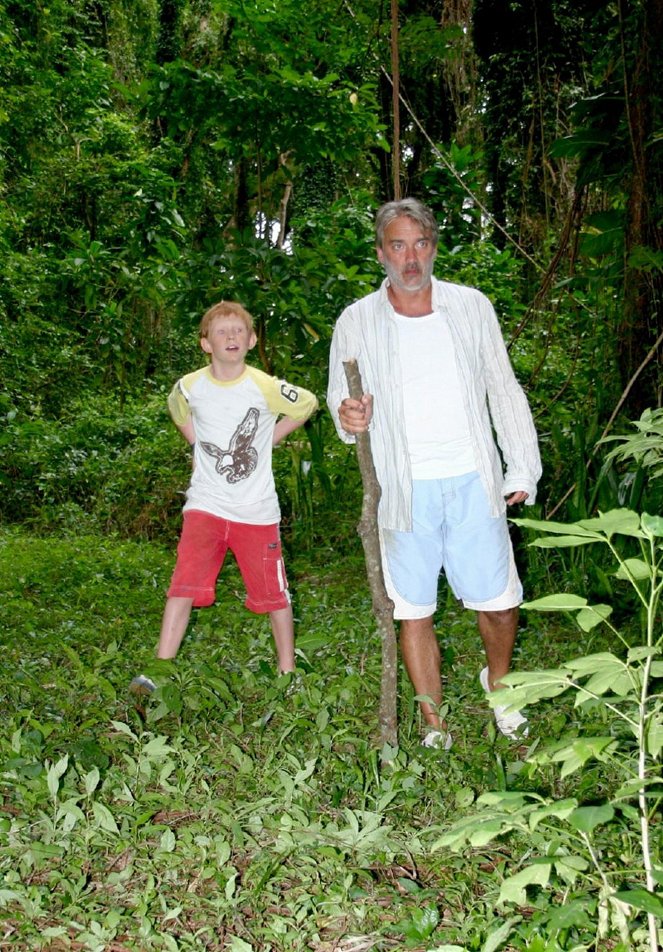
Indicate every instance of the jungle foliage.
{"type": "Point", "coordinates": [158, 155]}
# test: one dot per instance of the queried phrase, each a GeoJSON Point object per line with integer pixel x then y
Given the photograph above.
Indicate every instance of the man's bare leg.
{"type": "Point", "coordinates": [173, 625]}
{"type": "Point", "coordinates": [498, 633]}
{"type": "Point", "coordinates": [283, 629]}
{"type": "Point", "coordinates": [421, 656]}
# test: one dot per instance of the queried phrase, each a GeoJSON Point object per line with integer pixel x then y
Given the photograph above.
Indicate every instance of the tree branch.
{"type": "Point", "coordinates": [383, 607]}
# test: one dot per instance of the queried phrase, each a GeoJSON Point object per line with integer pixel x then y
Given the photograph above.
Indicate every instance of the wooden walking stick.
{"type": "Point", "coordinates": [383, 607]}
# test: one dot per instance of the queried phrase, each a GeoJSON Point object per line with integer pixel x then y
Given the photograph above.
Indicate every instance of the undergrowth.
{"type": "Point", "coordinates": [235, 809]}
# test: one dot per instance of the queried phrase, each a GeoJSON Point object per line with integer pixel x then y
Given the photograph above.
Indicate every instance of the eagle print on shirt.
{"type": "Point", "coordinates": [240, 459]}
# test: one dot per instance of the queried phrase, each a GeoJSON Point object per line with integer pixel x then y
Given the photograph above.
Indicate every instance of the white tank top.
{"type": "Point", "coordinates": [438, 435]}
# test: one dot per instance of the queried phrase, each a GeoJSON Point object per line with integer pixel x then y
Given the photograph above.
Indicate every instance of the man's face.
{"type": "Point", "coordinates": [407, 254]}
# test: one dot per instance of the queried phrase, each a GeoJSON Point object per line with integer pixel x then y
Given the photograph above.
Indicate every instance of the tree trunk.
{"type": "Point", "coordinates": [383, 607]}
{"type": "Point", "coordinates": [643, 286]}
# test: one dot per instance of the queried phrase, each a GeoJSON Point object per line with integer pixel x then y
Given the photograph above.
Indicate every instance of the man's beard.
{"type": "Point", "coordinates": [400, 281]}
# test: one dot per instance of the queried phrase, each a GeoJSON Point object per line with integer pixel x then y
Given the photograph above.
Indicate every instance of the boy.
{"type": "Point", "coordinates": [232, 415]}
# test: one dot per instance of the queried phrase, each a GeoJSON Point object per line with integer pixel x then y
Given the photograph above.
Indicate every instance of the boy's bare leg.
{"type": "Point", "coordinates": [173, 626]}
{"type": "Point", "coordinates": [283, 629]}
{"type": "Point", "coordinates": [498, 633]}
{"type": "Point", "coordinates": [421, 656]}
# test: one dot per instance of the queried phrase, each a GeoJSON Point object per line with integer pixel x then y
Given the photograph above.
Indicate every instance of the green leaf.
{"type": "Point", "coordinates": [655, 735]}
{"type": "Point", "coordinates": [602, 661]}
{"type": "Point", "coordinates": [564, 542]}
{"type": "Point", "coordinates": [568, 867]}
{"type": "Point", "coordinates": [105, 818]}
{"type": "Point", "coordinates": [653, 525]}
{"type": "Point", "coordinates": [488, 830]}
{"type": "Point", "coordinates": [513, 888]}
{"type": "Point", "coordinates": [54, 774]}
{"type": "Point", "coordinates": [633, 568]}
{"type": "Point", "coordinates": [556, 603]}
{"type": "Point", "coordinates": [559, 809]}
{"type": "Point", "coordinates": [587, 819]}
{"type": "Point", "coordinates": [562, 528]}
{"type": "Point", "coordinates": [570, 914]}
{"type": "Point", "coordinates": [124, 729]}
{"type": "Point", "coordinates": [449, 948]}
{"type": "Point", "coordinates": [640, 652]}
{"type": "Point", "coordinates": [642, 899]}
{"type": "Point", "coordinates": [422, 924]}
{"type": "Point", "coordinates": [238, 945]}
{"type": "Point", "coordinates": [167, 842]}
{"type": "Point", "coordinates": [593, 615]}
{"type": "Point", "coordinates": [576, 754]}
{"type": "Point", "coordinates": [91, 781]}
{"type": "Point", "coordinates": [607, 673]}
{"type": "Point", "coordinates": [615, 522]}
{"type": "Point", "coordinates": [498, 936]}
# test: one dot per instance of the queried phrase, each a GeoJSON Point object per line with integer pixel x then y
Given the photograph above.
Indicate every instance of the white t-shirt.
{"type": "Point", "coordinates": [234, 425]}
{"type": "Point", "coordinates": [438, 433]}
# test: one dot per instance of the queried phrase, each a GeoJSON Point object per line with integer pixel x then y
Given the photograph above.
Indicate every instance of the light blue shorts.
{"type": "Point", "coordinates": [453, 530]}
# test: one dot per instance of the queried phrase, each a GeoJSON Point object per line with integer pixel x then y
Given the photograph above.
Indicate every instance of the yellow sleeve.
{"type": "Point", "coordinates": [285, 399]}
{"type": "Point", "coordinates": [178, 404]}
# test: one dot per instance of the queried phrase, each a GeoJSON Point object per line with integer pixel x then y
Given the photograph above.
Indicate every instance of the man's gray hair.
{"type": "Point", "coordinates": [411, 207]}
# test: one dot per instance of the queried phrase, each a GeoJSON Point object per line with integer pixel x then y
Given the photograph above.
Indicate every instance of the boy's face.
{"type": "Point", "coordinates": [228, 340]}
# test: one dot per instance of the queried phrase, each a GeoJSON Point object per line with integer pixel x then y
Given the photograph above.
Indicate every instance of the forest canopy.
{"type": "Point", "coordinates": [157, 156]}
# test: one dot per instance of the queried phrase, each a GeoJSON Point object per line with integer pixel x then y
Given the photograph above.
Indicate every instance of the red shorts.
{"type": "Point", "coordinates": [202, 548]}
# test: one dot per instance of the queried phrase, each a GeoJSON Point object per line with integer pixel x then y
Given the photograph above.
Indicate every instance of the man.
{"type": "Point", "coordinates": [438, 380]}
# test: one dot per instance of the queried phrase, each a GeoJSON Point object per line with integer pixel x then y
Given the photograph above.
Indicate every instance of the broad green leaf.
{"type": "Point", "coordinates": [91, 781]}
{"type": "Point", "coordinates": [616, 521]}
{"type": "Point", "coordinates": [529, 687]}
{"type": "Point", "coordinates": [587, 819]}
{"type": "Point", "coordinates": [423, 923]}
{"type": "Point", "coordinates": [104, 818]}
{"type": "Point", "coordinates": [231, 886]}
{"type": "Point", "coordinates": [498, 936]}
{"type": "Point", "coordinates": [559, 809]}
{"type": "Point", "coordinates": [124, 729]}
{"type": "Point", "coordinates": [556, 603]}
{"type": "Point", "coordinates": [599, 684]}
{"type": "Point", "coordinates": [172, 914]}
{"type": "Point", "coordinates": [167, 842]}
{"type": "Point", "coordinates": [71, 813]}
{"type": "Point", "coordinates": [575, 755]}
{"type": "Point", "coordinates": [9, 895]}
{"type": "Point", "coordinates": [655, 735]}
{"type": "Point", "coordinates": [157, 748]}
{"type": "Point", "coordinates": [653, 525]}
{"type": "Point", "coordinates": [562, 528]}
{"type": "Point", "coordinates": [563, 542]}
{"type": "Point", "coordinates": [593, 615]}
{"type": "Point", "coordinates": [601, 662]}
{"type": "Point", "coordinates": [642, 899]}
{"type": "Point", "coordinates": [513, 888]}
{"type": "Point", "coordinates": [574, 913]}
{"type": "Point", "coordinates": [633, 568]}
{"type": "Point", "coordinates": [488, 830]}
{"type": "Point", "coordinates": [54, 774]}
{"type": "Point", "coordinates": [640, 652]}
{"type": "Point", "coordinates": [507, 799]}
{"type": "Point", "coordinates": [568, 867]}
{"type": "Point", "coordinates": [238, 945]}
